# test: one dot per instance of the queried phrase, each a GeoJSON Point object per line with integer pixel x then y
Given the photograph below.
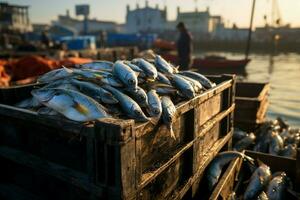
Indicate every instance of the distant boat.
{"type": "Point", "coordinates": [213, 64]}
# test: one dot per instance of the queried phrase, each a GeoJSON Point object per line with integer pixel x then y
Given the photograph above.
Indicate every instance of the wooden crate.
{"type": "Point", "coordinates": [228, 181]}
{"type": "Point", "coordinates": [117, 159]}
{"type": "Point", "coordinates": [251, 104]}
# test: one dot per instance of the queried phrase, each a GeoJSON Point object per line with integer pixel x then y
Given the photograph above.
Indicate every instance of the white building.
{"type": "Point", "coordinates": [146, 19]}
{"type": "Point", "coordinates": [94, 25]}
{"type": "Point", "coordinates": [14, 17]}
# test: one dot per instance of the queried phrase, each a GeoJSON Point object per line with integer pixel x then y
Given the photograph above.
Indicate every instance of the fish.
{"type": "Point", "coordinates": [275, 144]}
{"type": "Point", "coordinates": [139, 95]}
{"type": "Point", "coordinates": [162, 78]}
{"type": "Point", "coordinates": [72, 104]}
{"type": "Point", "coordinates": [85, 73]}
{"type": "Point", "coordinates": [29, 103]}
{"type": "Point", "coordinates": [47, 111]}
{"type": "Point", "coordinates": [154, 104]}
{"type": "Point", "coordinates": [134, 67]}
{"type": "Point", "coordinates": [166, 90]}
{"type": "Point", "coordinates": [125, 74]}
{"type": "Point", "coordinates": [277, 187]}
{"type": "Point", "coordinates": [183, 86]}
{"type": "Point", "coordinates": [163, 66]}
{"type": "Point", "coordinates": [54, 75]}
{"type": "Point", "coordinates": [205, 82]}
{"type": "Point", "coordinates": [94, 91]}
{"type": "Point", "coordinates": [215, 167]}
{"type": "Point", "coordinates": [262, 196]}
{"type": "Point", "coordinates": [289, 151]}
{"type": "Point", "coordinates": [238, 134]}
{"type": "Point", "coordinates": [245, 142]}
{"type": "Point", "coordinates": [258, 180]}
{"type": "Point", "coordinates": [98, 65]}
{"type": "Point", "coordinates": [149, 69]}
{"type": "Point", "coordinates": [196, 85]}
{"type": "Point", "coordinates": [168, 113]}
{"type": "Point", "coordinates": [61, 84]}
{"type": "Point", "coordinates": [112, 81]}
{"type": "Point", "coordinates": [128, 105]}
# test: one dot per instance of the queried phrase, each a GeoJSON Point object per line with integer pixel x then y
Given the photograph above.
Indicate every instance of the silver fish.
{"type": "Point", "coordinates": [94, 91]}
{"type": "Point", "coordinates": [168, 113]}
{"type": "Point", "coordinates": [262, 196]}
{"type": "Point", "coordinates": [163, 66]}
{"type": "Point", "coordinates": [149, 69]}
{"type": "Point", "coordinates": [205, 82]}
{"type": "Point", "coordinates": [47, 111]}
{"type": "Point", "coordinates": [259, 179]}
{"type": "Point", "coordinates": [98, 65]}
{"type": "Point", "coordinates": [183, 86]}
{"type": "Point", "coordinates": [61, 84]}
{"type": "Point", "coordinates": [73, 105]}
{"type": "Point", "coordinates": [245, 142]}
{"type": "Point", "coordinates": [125, 74]}
{"type": "Point", "coordinates": [164, 90]}
{"type": "Point", "coordinates": [54, 75]}
{"type": "Point", "coordinates": [155, 108]}
{"type": "Point", "coordinates": [215, 167]}
{"type": "Point", "coordinates": [277, 187]}
{"type": "Point", "coordinates": [238, 134]}
{"type": "Point", "coordinates": [86, 73]}
{"type": "Point", "coordinates": [133, 67]}
{"type": "Point", "coordinates": [276, 144]}
{"type": "Point", "coordinates": [162, 78]}
{"type": "Point", "coordinates": [112, 81]}
{"type": "Point", "coordinates": [289, 151]}
{"type": "Point", "coordinates": [29, 103]}
{"type": "Point", "coordinates": [129, 106]}
{"type": "Point", "coordinates": [139, 95]}
{"type": "Point", "coordinates": [196, 85]}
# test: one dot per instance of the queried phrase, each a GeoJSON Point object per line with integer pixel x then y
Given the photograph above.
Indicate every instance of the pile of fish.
{"type": "Point", "coordinates": [256, 183]}
{"type": "Point", "coordinates": [140, 89]}
{"type": "Point", "coordinates": [274, 137]}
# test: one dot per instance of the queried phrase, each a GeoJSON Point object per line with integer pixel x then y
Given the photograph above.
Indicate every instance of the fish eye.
{"type": "Point", "coordinates": [131, 81]}
{"type": "Point", "coordinates": [156, 111]}
{"type": "Point", "coordinates": [137, 112]}
{"type": "Point", "coordinates": [169, 118]}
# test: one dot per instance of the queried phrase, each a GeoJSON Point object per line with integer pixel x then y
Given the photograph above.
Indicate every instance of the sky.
{"type": "Point", "coordinates": [233, 11]}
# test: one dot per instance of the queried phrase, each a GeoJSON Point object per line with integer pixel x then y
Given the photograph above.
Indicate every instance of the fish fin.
{"type": "Point", "coordinates": [259, 162]}
{"type": "Point", "coordinates": [156, 85]}
{"type": "Point", "coordinates": [176, 69]}
{"type": "Point", "coordinates": [136, 73]}
{"type": "Point", "coordinates": [81, 108]}
{"type": "Point", "coordinates": [172, 133]}
{"type": "Point", "coordinates": [70, 71]}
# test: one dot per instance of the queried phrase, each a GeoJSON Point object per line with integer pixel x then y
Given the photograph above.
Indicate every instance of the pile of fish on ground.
{"type": "Point", "coordinates": [140, 89]}
{"type": "Point", "coordinates": [255, 181]}
{"type": "Point", "coordinates": [274, 137]}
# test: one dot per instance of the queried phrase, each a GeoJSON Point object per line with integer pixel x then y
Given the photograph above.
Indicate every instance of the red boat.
{"type": "Point", "coordinates": [214, 64]}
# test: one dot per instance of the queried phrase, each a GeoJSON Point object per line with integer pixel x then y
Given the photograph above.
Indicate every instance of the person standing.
{"type": "Point", "coordinates": [184, 47]}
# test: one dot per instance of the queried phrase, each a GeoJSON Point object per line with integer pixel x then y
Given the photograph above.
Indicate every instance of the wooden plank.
{"type": "Point", "coordinates": [63, 173]}
{"type": "Point", "coordinates": [179, 193]}
{"type": "Point", "coordinates": [225, 183]}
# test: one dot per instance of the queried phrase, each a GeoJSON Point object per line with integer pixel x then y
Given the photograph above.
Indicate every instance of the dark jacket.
{"type": "Point", "coordinates": [184, 45]}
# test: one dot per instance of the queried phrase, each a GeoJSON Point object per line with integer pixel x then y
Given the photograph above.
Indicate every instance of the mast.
{"type": "Point", "coordinates": [250, 30]}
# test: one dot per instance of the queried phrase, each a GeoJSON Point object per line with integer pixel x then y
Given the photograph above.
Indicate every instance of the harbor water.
{"type": "Point", "coordinates": [283, 73]}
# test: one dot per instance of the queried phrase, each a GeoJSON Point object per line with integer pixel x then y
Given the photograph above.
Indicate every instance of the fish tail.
{"type": "Point", "coordinates": [70, 71]}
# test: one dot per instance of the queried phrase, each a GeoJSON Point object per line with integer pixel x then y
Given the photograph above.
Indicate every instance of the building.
{"type": "Point", "coordinates": [197, 22]}
{"type": "Point", "coordinates": [14, 18]}
{"type": "Point", "coordinates": [147, 19]}
{"type": "Point", "coordinates": [94, 26]}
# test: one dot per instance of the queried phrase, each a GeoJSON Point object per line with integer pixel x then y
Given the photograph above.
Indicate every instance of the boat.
{"type": "Point", "coordinates": [214, 64]}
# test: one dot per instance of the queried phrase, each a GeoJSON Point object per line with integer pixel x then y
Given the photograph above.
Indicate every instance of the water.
{"type": "Point", "coordinates": [283, 73]}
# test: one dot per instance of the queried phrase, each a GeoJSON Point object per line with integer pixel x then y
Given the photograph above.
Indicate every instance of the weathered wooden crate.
{"type": "Point", "coordinates": [116, 159]}
{"type": "Point", "coordinates": [228, 181]}
{"type": "Point", "coordinates": [251, 104]}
